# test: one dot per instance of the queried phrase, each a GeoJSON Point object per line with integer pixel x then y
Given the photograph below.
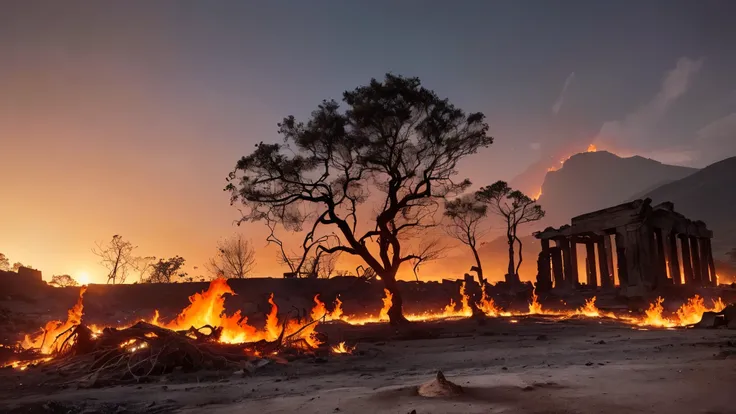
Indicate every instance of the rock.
{"type": "Point", "coordinates": [729, 314]}
{"type": "Point", "coordinates": [440, 387]}
{"type": "Point", "coordinates": [710, 320]}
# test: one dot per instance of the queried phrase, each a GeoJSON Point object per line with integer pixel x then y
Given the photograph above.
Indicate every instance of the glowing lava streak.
{"type": "Point", "coordinates": [56, 332]}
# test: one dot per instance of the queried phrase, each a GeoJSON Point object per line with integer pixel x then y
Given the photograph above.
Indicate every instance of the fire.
{"type": "Point", "coordinates": [387, 302]}
{"type": "Point", "coordinates": [589, 309]}
{"type": "Point", "coordinates": [689, 313]}
{"type": "Point", "coordinates": [208, 308]}
{"type": "Point", "coordinates": [539, 194]}
{"type": "Point", "coordinates": [488, 306]}
{"type": "Point", "coordinates": [535, 308]}
{"type": "Point", "coordinates": [320, 310]}
{"type": "Point", "coordinates": [592, 148]}
{"type": "Point", "coordinates": [55, 333]}
{"type": "Point", "coordinates": [341, 348]}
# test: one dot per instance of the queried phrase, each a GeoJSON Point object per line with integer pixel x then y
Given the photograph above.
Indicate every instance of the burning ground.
{"type": "Point", "coordinates": [502, 356]}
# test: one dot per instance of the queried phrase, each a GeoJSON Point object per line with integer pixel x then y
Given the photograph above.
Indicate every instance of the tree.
{"type": "Point", "coordinates": [4, 263]}
{"type": "Point", "coordinates": [165, 270]}
{"type": "Point", "coordinates": [235, 258]}
{"type": "Point", "coordinates": [465, 215]}
{"type": "Point", "coordinates": [515, 208]}
{"type": "Point", "coordinates": [63, 281]}
{"type": "Point", "coordinates": [397, 144]}
{"type": "Point", "coordinates": [18, 265]}
{"type": "Point", "coordinates": [117, 257]}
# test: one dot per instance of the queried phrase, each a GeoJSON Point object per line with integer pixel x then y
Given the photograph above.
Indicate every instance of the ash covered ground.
{"type": "Point", "coordinates": [531, 364]}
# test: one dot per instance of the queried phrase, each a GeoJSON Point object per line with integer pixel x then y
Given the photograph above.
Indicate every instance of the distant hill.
{"type": "Point", "coordinates": [592, 181]}
{"type": "Point", "coordinates": [708, 195]}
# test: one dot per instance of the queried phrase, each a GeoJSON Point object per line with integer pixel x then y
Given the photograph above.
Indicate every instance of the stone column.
{"type": "Point", "coordinates": [637, 249]}
{"type": "Point", "coordinates": [606, 279]}
{"type": "Point", "coordinates": [564, 245]}
{"type": "Point", "coordinates": [661, 260]}
{"type": "Point", "coordinates": [695, 255]}
{"type": "Point", "coordinates": [708, 277]}
{"type": "Point", "coordinates": [544, 278]}
{"type": "Point", "coordinates": [674, 262]}
{"type": "Point", "coordinates": [622, 265]}
{"type": "Point", "coordinates": [609, 255]}
{"type": "Point", "coordinates": [592, 277]}
{"type": "Point", "coordinates": [556, 254]}
{"type": "Point", "coordinates": [711, 263]}
{"type": "Point", "coordinates": [573, 281]}
{"type": "Point", "coordinates": [687, 267]}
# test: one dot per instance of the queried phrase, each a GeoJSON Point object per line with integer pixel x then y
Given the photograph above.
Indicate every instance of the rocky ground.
{"type": "Point", "coordinates": [523, 365]}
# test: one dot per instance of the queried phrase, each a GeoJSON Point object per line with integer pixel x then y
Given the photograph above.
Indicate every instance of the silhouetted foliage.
{"type": "Point", "coordinates": [396, 139]}
{"type": "Point", "coordinates": [465, 215]}
{"type": "Point", "coordinates": [515, 208]}
{"type": "Point", "coordinates": [235, 258]}
{"type": "Point", "coordinates": [165, 270]}
{"type": "Point", "coordinates": [18, 265]}
{"type": "Point", "coordinates": [117, 257]}
{"type": "Point", "coordinates": [63, 281]}
{"type": "Point", "coordinates": [4, 262]}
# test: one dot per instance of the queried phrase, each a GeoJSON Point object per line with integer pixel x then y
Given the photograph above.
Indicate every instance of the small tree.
{"type": "Point", "coordinates": [165, 270]}
{"type": "Point", "coordinates": [235, 258]}
{"type": "Point", "coordinates": [515, 208]}
{"type": "Point", "coordinates": [63, 281]}
{"type": "Point", "coordinates": [4, 263]}
{"type": "Point", "coordinates": [465, 215]}
{"type": "Point", "coordinates": [117, 257]}
{"type": "Point", "coordinates": [396, 138]}
{"type": "Point", "coordinates": [18, 265]}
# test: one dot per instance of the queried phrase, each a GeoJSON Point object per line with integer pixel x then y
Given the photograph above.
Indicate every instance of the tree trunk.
{"type": "Point", "coordinates": [518, 265]}
{"type": "Point", "coordinates": [396, 312]}
{"type": "Point", "coordinates": [512, 269]}
{"type": "Point", "coordinates": [478, 268]}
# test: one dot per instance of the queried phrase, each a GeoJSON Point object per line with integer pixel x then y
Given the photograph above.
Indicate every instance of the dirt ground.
{"type": "Point", "coordinates": [524, 365]}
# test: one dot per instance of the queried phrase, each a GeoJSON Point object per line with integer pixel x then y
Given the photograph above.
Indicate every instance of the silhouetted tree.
{"type": "Point", "coordinates": [465, 215]}
{"type": "Point", "coordinates": [165, 270]}
{"type": "Point", "coordinates": [4, 263]}
{"type": "Point", "coordinates": [396, 138]}
{"type": "Point", "coordinates": [63, 281]}
{"type": "Point", "coordinates": [18, 265]}
{"type": "Point", "coordinates": [117, 257]}
{"type": "Point", "coordinates": [732, 255]}
{"type": "Point", "coordinates": [235, 258]}
{"type": "Point", "coordinates": [515, 208]}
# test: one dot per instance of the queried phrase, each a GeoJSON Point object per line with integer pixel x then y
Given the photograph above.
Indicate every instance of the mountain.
{"type": "Point", "coordinates": [708, 195]}
{"type": "Point", "coordinates": [592, 181]}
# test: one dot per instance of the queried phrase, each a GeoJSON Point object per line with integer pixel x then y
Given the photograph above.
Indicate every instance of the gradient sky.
{"type": "Point", "coordinates": [125, 117]}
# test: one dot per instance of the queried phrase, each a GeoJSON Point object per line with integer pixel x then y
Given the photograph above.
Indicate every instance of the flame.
{"type": "Point", "coordinates": [535, 308]}
{"type": "Point", "coordinates": [208, 308]}
{"type": "Point", "coordinates": [539, 194]}
{"type": "Point", "coordinates": [55, 333]}
{"type": "Point", "coordinates": [689, 313]}
{"type": "Point", "coordinates": [592, 148]}
{"type": "Point", "coordinates": [341, 348]}
{"type": "Point", "coordinates": [387, 302]}
{"type": "Point", "coordinates": [320, 311]}
{"type": "Point", "coordinates": [487, 305]}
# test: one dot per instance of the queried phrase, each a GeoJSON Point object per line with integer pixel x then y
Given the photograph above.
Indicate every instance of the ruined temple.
{"type": "Point", "coordinates": [636, 246]}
